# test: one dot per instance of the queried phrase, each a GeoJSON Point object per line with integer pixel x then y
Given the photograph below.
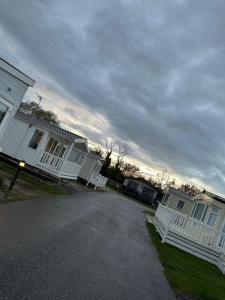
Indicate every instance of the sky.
{"type": "Point", "coordinates": [151, 73]}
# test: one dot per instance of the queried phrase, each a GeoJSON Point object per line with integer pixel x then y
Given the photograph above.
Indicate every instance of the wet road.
{"type": "Point", "coordinates": [85, 246]}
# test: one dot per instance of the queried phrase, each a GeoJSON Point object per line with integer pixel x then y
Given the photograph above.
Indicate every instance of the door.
{"type": "Point", "coordinates": [222, 236]}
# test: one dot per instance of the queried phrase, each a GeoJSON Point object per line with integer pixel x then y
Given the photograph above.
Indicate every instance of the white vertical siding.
{"type": "Point", "coordinates": [13, 136]}
{"type": "Point", "coordinates": [87, 168]}
{"type": "Point", "coordinates": [12, 91]}
{"type": "Point", "coordinates": [18, 88]}
{"type": "Point", "coordinates": [15, 141]}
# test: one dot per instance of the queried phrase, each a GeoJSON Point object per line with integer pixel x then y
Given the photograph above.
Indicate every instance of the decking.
{"type": "Point", "coordinates": [191, 235]}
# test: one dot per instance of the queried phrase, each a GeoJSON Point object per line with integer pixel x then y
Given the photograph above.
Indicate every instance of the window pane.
{"type": "Point", "coordinates": [215, 209]}
{"type": "Point", "coordinates": [3, 110]}
{"type": "Point", "coordinates": [62, 151]}
{"type": "Point", "coordinates": [54, 145]}
{"type": "Point", "coordinates": [212, 219]}
{"type": "Point", "coordinates": [213, 216]}
{"type": "Point", "coordinates": [165, 200]}
{"type": "Point", "coordinates": [205, 212]}
{"type": "Point", "coordinates": [36, 138]}
{"type": "Point", "coordinates": [49, 145]}
{"type": "Point", "coordinates": [180, 205]}
{"type": "Point", "coordinates": [199, 211]}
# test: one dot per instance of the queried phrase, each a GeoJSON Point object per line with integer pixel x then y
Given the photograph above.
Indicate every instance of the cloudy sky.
{"type": "Point", "coordinates": [149, 72]}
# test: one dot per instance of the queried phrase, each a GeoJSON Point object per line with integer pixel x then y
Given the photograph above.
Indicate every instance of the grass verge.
{"type": "Point", "coordinates": [187, 274]}
{"type": "Point", "coordinates": [27, 186]}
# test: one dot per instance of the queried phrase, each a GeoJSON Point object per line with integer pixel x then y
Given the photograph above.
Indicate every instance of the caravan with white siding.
{"type": "Point", "coordinates": [13, 86]}
{"type": "Point", "coordinates": [44, 145]}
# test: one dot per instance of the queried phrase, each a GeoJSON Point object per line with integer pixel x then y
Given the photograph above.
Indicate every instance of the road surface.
{"type": "Point", "coordinates": [86, 246]}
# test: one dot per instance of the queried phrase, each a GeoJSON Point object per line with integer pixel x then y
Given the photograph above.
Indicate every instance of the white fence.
{"type": "Point", "coordinates": [190, 228]}
{"type": "Point", "coordinates": [51, 162]}
{"type": "Point", "coordinates": [98, 180]}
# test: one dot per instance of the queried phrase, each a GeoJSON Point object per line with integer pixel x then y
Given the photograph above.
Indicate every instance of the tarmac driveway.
{"type": "Point", "coordinates": [86, 246]}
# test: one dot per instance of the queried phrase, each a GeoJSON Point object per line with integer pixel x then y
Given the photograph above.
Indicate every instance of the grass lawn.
{"type": "Point", "coordinates": [27, 186]}
{"type": "Point", "coordinates": [187, 274]}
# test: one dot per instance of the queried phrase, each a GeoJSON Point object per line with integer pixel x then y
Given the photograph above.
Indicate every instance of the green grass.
{"type": "Point", "coordinates": [188, 274]}
{"type": "Point", "coordinates": [33, 182]}
{"type": "Point", "coordinates": [37, 183]}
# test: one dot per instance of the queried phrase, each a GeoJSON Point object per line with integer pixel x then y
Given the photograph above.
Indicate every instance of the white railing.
{"type": "Point", "coordinates": [51, 161]}
{"type": "Point", "coordinates": [190, 228]}
{"type": "Point", "coordinates": [164, 214]}
{"type": "Point", "coordinates": [98, 180]}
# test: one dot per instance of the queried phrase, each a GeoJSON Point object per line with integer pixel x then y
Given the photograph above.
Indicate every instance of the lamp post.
{"type": "Point", "coordinates": [21, 165]}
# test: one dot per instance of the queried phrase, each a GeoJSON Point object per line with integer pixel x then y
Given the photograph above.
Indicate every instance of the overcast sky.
{"type": "Point", "coordinates": [149, 72]}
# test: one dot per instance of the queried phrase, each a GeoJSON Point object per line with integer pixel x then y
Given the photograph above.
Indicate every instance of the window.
{"type": "Point", "coordinates": [36, 138]}
{"type": "Point", "coordinates": [165, 199]}
{"type": "Point", "coordinates": [213, 215]}
{"type": "Point", "coordinates": [3, 111]}
{"type": "Point", "coordinates": [199, 211]}
{"type": "Point", "coordinates": [97, 169]}
{"type": "Point", "coordinates": [180, 205]}
{"type": "Point", "coordinates": [76, 157]}
{"type": "Point", "coordinates": [56, 148]}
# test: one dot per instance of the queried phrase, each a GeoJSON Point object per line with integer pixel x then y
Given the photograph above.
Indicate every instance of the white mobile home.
{"type": "Point", "coordinates": [13, 86]}
{"type": "Point", "coordinates": [44, 145]}
{"type": "Point", "coordinates": [194, 224]}
{"type": "Point", "coordinates": [90, 171]}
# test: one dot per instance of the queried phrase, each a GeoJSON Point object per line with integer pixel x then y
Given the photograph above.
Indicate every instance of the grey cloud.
{"type": "Point", "coordinates": [154, 69]}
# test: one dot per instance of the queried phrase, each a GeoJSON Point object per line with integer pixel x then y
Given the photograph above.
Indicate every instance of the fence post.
{"type": "Point", "coordinates": [167, 228]}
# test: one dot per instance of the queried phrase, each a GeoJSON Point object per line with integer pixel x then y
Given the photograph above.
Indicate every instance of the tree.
{"type": "Point", "coordinates": [97, 150]}
{"type": "Point", "coordinates": [190, 189]}
{"type": "Point", "coordinates": [39, 112]}
{"type": "Point", "coordinates": [122, 151]}
{"type": "Point", "coordinates": [130, 170]}
{"type": "Point", "coordinates": [109, 145]}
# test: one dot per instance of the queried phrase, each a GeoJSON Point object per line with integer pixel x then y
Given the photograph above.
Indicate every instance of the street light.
{"type": "Point", "coordinates": [21, 165]}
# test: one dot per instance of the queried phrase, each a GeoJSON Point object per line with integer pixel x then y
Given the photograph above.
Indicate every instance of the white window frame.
{"type": "Point", "coordinates": [211, 212]}
{"type": "Point", "coordinates": [206, 213]}
{"type": "Point", "coordinates": [180, 209]}
{"type": "Point", "coordinates": [203, 213]}
{"type": "Point", "coordinates": [32, 137]}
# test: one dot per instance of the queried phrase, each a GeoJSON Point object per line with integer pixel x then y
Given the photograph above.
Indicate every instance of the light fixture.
{"type": "Point", "coordinates": [22, 163]}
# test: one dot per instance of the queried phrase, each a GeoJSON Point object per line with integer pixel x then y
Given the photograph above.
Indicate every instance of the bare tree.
{"type": "Point", "coordinates": [129, 169]}
{"type": "Point", "coordinates": [190, 189]}
{"type": "Point", "coordinates": [97, 150]}
{"type": "Point", "coordinates": [39, 112]}
{"type": "Point", "coordinates": [122, 150]}
{"type": "Point", "coordinates": [109, 146]}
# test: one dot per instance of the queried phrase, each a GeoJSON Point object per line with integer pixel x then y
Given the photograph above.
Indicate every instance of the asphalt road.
{"type": "Point", "coordinates": [85, 246]}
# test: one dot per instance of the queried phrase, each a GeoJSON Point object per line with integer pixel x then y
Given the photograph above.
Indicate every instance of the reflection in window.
{"type": "Point", "coordinates": [76, 157]}
{"type": "Point", "coordinates": [198, 212]}
{"type": "Point", "coordinates": [180, 205]}
{"type": "Point", "coordinates": [213, 216]}
{"type": "Point", "coordinates": [36, 138]}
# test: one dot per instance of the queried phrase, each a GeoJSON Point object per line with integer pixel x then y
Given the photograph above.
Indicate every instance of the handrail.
{"type": "Point", "coordinates": [190, 228]}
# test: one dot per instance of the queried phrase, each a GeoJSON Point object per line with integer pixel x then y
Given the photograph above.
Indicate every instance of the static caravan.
{"type": "Point", "coordinates": [90, 171]}
{"type": "Point", "coordinates": [13, 86]}
{"type": "Point", "coordinates": [140, 189]}
{"type": "Point", "coordinates": [44, 145]}
{"type": "Point", "coordinates": [195, 224]}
